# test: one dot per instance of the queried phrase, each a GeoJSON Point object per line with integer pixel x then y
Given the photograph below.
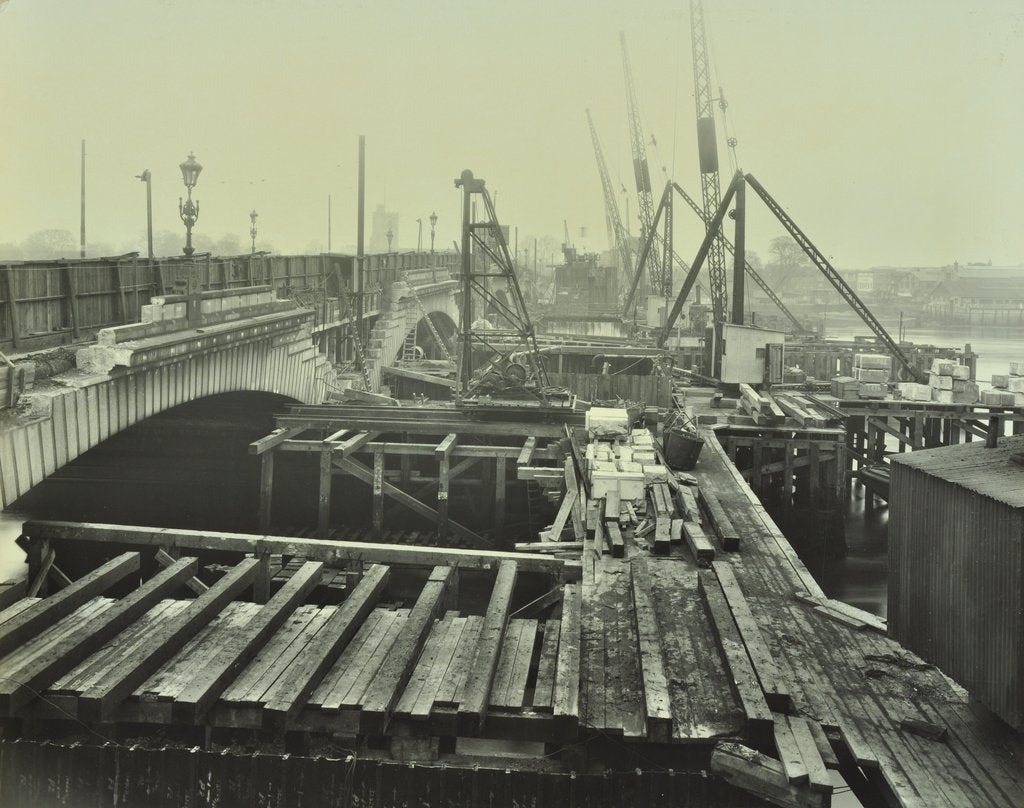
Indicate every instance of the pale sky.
{"type": "Point", "coordinates": [890, 129]}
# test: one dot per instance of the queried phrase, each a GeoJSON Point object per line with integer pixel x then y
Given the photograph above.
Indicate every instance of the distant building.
{"type": "Point", "coordinates": [984, 297]}
{"type": "Point", "coordinates": [380, 222]}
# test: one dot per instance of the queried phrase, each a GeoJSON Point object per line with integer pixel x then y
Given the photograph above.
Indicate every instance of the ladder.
{"type": "Point", "coordinates": [430, 323]}
{"type": "Point", "coordinates": [346, 312]}
{"type": "Point", "coordinates": [409, 346]}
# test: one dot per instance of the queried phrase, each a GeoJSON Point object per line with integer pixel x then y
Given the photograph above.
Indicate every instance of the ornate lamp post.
{"type": "Point", "coordinates": [433, 227]}
{"type": "Point", "coordinates": [390, 235]}
{"type": "Point", "coordinates": [252, 230]}
{"type": "Point", "coordinates": [189, 212]}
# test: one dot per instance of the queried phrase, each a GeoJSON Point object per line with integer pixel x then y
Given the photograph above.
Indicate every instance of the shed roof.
{"type": "Point", "coordinates": [988, 472]}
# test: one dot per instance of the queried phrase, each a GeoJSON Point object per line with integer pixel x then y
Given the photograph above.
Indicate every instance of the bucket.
{"type": "Point", "coordinates": [682, 448]}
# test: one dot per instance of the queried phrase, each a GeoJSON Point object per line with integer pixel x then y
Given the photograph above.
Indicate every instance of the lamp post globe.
{"type": "Point", "coordinates": [189, 210]}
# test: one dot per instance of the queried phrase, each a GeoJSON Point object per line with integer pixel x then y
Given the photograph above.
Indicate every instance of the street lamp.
{"type": "Point", "coordinates": [189, 212]}
{"type": "Point", "coordinates": [252, 230]}
{"type": "Point", "coordinates": [433, 227]}
{"type": "Point", "coordinates": [145, 177]}
{"type": "Point", "coordinates": [390, 235]}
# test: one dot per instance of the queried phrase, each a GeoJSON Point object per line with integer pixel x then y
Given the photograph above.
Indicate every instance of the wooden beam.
{"type": "Point", "coordinates": [275, 438]}
{"type": "Point", "coordinates": [98, 702]}
{"type": "Point", "coordinates": [657, 699]}
{"type": "Point", "coordinates": [165, 560]}
{"type": "Point", "coordinates": [762, 776]}
{"type": "Point", "coordinates": [526, 453]}
{"type": "Point", "coordinates": [353, 444]}
{"type": "Point", "coordinates": [566, 698]}
{"type": "Point", "coordinates": [719, 519]}
{"type": "Point", "coordinates": [444, 448]}
{"type": "Point", "coordinates": [239, 648]}
{"type": "Point", "coordinates": [744, 680]}
{"type": "Point", "coordinates": [702, 549]}
{"type": "Point", "coordinates": [455, 471]}
{"type": "Point", "coordinates": [761, 657]}
{"type": "Point", "coordinates": [24, 682]}
{"type": "Point", "coordinates": [7, 275]}
{"type": "Point", "coordinates": [331, 552]}
{"type": "Point", "coordinates": [476, 698]}
{"type": "Point", "coordinates": [45, 613]}
{"type": "Point", "coordinates": [265, 507]}
{"type": "Point", "coordinates": [360, 471]}
{"type": "Point", "coordinates": [72, 296]}
{"type": "Point", "coordinates": [426, 378]}
{"type": "Point", "coordinates": [323, 650]}
{"type": "Point", "coordinates": [422, 423]}
{"type": "Point", "coordinates": [564, 510]}
{"type": "Point", "coordinates": [386, 688]}
{"type": "Point", "coordinates": [499, 496]}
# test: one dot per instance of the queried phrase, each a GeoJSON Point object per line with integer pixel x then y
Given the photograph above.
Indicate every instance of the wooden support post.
{"type": "Point", "coordinates": [122, 306]}
{"type": "Point", "coordinates": [7, 276]}
{"type": "Point", "coordinates": [266, 491]}
{"type": "Point", "coordinates": [406, 468]}
{"type": "Point", "coordinates": [72, 281]}
{"type": "Point", "coordinates": [756, 469]}
{"type": "Point", "coordinates": [261, 585]}
{"type": "Point", "coordinates": [814, 473]}
{"type": "Point", "coordinates": [787, 475]}
{"type": "Point", "coordinates": [995, 430]}
{"type": "Point", "coordinates": [378, 495]}
{"type": "Point", "coordinates": [499, 496]}
{"type": "Point", "coordinates": [443, 454]}
{"type": "Point", "coordinates": [165, 560]}
{"type": "Point", "coordinates": [324, 501]}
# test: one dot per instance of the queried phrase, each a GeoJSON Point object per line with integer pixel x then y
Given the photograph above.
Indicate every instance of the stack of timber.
{"type": "Point", "coordinates": [805, 411]}
{"type": "Point", "coordinates": [760, 406]}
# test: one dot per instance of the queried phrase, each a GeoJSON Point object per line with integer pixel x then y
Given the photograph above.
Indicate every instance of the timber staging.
{"type": "Point", "coordinates": [698, 666]}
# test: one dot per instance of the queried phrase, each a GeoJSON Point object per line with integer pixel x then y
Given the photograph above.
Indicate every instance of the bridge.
{"type": "Point", "coordinates": [97, 346]}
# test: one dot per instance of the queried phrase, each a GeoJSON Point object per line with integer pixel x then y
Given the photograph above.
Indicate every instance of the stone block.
{"type": "Point", "coordinates": [874, 375]}
{"type": "Point", "coordinates": [875, 361]}
{"type": "Point", "coordinates": [998, 398]}
{"type": "Point", "coordinates": [104, 358]}
{"type": "Point", "coordinates": [967, 393]}
{"type": "Point", "coordinates": [870, 390]}
{"type": "Point", "coordinates": [961, 372]}
{"type": "Point", "coordinates": [912, 391]}
{"type": "Point", "coordinates": [1000, 380]}
{"type": "Point", "coordinates": [1015, 384]}
{"type": "Point", "coordinates": [938, 382]}
{"type": "Point", "coordinates": [942, 396]}
{"type": "Point", "coordinates": [655, 473]}
{"type": "Point", "coordinates": [942, 367]}
{"type": "Point", "coordinates": [151, 313]}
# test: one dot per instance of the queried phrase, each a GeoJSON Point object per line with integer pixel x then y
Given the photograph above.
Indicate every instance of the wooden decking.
{"type": "Point", "coordinates": [722, 651]}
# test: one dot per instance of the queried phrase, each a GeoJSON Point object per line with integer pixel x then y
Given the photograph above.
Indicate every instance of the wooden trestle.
{"type": "Point", "coordinates": [721, 655]}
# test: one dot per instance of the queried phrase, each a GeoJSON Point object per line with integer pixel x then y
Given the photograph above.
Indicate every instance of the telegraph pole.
{"type": "Point", "coordinates": [82, 240]}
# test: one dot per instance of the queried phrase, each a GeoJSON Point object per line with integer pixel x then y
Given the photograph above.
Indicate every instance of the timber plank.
{"type": "Point", "coordinates": [425, 663]}
{"type": "Point", "coordinates": [757, 649]}
{"type": "Point", "coordinates": [272, 680]}
{"type": "Point", "coordinates": [473, 707]}
{"type": "Point", "coordinates": [719, 519]}
{"type": "Point", "coordinates": [657, 700]}
{"type": "Point", "coordinates": [18, 628]}
{"type": "Point", "coordinates": [566, 699]}
{"type": "Point", "coordinates": [510, 689]}
{"type": "Point", "coordinates": [369, 663]}
{"type": "Point", "coordinates": [384, 692]}
{"type": "Point", "coordinates": [789, 752]}
{"type": "Point", "coordinates": [341, 675]}
{"type": "Point", "coordinates": [453, 685]}
{"type": "Point", "coordinates": [100, 700]}
{"type": "Point", "coordinates": [424, 702]}
{"type": "Point", "coordinates": [324, 649]}
{"type": "Point", "coordinates": [744, 680]}
{"type": "Point", "coordinates": [243, 644]}
{"type": "Point", "coordinates": [702, 549]}
{"type": "Point", "coordinates": [544, 689]}
{"type": "Point", "coordinates": [29, 678]}
{"type": "Point", "coordinates": [246, 688]}
{"type": "Point", "coordinates": [817, 773]}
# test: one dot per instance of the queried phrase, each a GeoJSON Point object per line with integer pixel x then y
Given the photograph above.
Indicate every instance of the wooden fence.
{"type": "Point", "coordinates": [48, 303]}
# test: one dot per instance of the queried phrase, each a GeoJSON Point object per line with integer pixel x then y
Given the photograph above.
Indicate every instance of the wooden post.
{"type": "Point", "coordinates": [324, 505]}
{"type": "Point", "coordinates": [406, 478]}
{"type": "Point", "coordinates": [499, 496]}
{"type": "Point", "coordinates": [7, 275]}
{"type": "Point", "coordinates": [378, 494]}
{"type": "Point", "coordinates": [443, 453]}
{"type": "Point", "coordinates": [995, 430]}
{"type": "Point", "coordinates": [261, 586]}
{"type": "Point", "coordinates": [122, 306]}
{"type": "Point", "coordinates": [787, 475]}
{"type": "Point", "coordinates": [755, 471]}
{"type": "Point", "coordinates": [73, 299]}
{"type": "Point", "coordinates": [813, 472]}
{"type": "Point", "coordinates": [266, 490]}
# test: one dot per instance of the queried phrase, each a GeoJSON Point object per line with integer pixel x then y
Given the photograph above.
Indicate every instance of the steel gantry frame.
{"type": "Point", "coordinates": [515, 332]}
{"type": "Point", "coordinates": [816, 256]}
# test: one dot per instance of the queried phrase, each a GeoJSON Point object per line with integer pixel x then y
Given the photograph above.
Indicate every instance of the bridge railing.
{"type": "Point", "coordinates": [48, 303]}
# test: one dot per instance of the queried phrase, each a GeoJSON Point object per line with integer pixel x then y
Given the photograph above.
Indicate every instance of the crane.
{"type": "Point", "coordinates": [640, 170]}
{"type": "Point", "coordinates": [707, 149]}
{"type": "Point", "coordinates": [616, 232]}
